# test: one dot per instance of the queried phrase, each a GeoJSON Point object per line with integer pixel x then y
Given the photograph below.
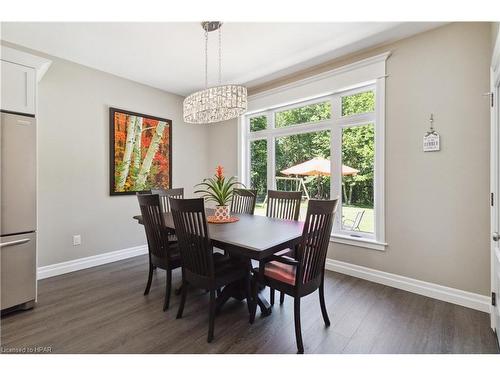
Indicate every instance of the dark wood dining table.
{"type": "Point", "coordinates": [252, 237]}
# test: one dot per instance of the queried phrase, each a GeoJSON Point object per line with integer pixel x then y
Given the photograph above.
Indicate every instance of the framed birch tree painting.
{"type": "Point", "coordinates": [140, 152]}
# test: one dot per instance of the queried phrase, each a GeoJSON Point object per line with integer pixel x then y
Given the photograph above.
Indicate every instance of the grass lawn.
{"type": "Point", "coordinates": [348, 213]}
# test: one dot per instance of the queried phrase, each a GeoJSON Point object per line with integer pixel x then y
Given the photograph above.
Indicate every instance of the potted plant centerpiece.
{"type": "Point", "coordinates": [218, 189]}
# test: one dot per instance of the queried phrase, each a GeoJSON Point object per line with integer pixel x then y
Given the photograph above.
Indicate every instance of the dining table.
{"type": "Point", "coordinates": [252, 237]}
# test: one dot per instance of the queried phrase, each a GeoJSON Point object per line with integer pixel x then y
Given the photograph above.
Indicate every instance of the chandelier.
{"type": "Point", "coordinates": [218, 103]}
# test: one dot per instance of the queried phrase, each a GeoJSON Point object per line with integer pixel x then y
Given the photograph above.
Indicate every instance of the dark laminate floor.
{"type": "Point", "coordinates": [102, 310]}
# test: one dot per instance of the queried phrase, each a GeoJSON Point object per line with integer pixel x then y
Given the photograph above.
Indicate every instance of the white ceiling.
{"type": "Point", "coordinates": [170, 56]}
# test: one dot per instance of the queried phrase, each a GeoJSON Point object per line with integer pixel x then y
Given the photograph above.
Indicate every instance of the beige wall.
{"type": "Point", "coordinates": [495, 26]}
{"type": "Point", "coordinates": [437, 213]}
{"type": "Point", "coordinates": [437, 204]}
{"type": "Point", "coordinates": [73, 160]}
{"type": "Point", "coordinates": [223, 147]}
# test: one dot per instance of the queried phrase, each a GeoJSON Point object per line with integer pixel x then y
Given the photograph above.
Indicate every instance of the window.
{"type": "Point", "coordinates": [294, 150]}
{"type": "Point", "coordinates": [309, 113]}
{"type": "Point", "coordinates": [358, 157]}
{"type": "Point", "coordinates": [358, 103]}
{"type": "Point", "coordinates": [258, 169]}
{"type": "Point", "coordinates": [324, 148]}
{"type": "Point", "coordinates": [258, 123]}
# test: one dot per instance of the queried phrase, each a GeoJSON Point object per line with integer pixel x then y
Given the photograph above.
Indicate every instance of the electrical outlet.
{"type": "Point", "coordinates": [77, 240]}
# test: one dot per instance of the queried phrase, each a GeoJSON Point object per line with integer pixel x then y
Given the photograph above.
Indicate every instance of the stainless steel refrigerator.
{"type": "Point", "coordinates": [18, 211]}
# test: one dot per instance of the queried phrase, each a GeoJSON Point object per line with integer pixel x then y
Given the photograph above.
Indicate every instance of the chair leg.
{"type": "Point", "coordinates": [211, 317]}
{"type": "Point", "coordinates": [150, 278]}
{"type": "Point", "coordinates": [271, 296]}
{"type": "Point", "coordinates": [183, 300]}
{"type": "Point", "coordinates": [168, 288]}
{"type": "Point", "coordinates": [298, 331]}
{"type": "Point", "coordinates": [282, 298]}
{"type": "Point", "coordinates": [323, 305]}
{"type": "Point", "coordinates": [178, 291]}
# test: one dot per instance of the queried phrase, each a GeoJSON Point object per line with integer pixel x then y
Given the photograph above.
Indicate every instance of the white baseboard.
{"type": "Point", "coordinates": [88, 262]}
{"type": "Point", "coordinates": [459, 297]}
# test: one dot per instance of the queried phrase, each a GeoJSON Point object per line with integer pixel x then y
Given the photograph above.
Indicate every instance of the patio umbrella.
{"type": "Point", "coordinates": [317, 166]}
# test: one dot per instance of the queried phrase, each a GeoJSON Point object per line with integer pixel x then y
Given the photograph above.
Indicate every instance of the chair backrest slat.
{"type": "Point", "coordinates": [243, 201]}
{"type": "Point", "coordinates": [313, 247]}
{"type": "Point", "coordinates": [283, 204]}
{"type": "Point", "coordinates": [154, 225]}
{"type": "Point", "coordinates": [165, 194]}
{"type": "Point", "coordinates": [192, 233]}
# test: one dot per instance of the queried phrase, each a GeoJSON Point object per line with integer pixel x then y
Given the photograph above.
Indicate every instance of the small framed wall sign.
{"type": "Point", "coordinates": [431, 141]}
{"type": "Point", "coordinates": [431, 138]}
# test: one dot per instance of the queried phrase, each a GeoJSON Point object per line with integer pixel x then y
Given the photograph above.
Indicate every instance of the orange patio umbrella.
{"type": "Point", "coordinates": [317, 166]}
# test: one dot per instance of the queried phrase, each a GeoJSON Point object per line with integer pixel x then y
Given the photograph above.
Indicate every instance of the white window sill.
{"type": "Point", "coordinates": [360, 242]}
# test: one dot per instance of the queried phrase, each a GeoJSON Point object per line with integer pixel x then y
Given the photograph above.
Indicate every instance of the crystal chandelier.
{"type": "Point", "coordinates": [218, 103]}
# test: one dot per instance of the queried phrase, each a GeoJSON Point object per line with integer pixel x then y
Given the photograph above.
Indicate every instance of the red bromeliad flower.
{"type": "Point", "coordinates": [218, 189]}
{"type": "Point", "coordinates": [219, 172]}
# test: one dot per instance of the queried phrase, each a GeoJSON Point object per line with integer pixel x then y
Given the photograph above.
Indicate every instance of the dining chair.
{"type": "Point", "coordinates": [302, 276]}
{"type": "Point", "coordinates": [165, 204]}
{"type": "Point", "coordinates": [243, 201]}
{"type": "Point", "coordinates": [165, 194]}
{"type": "Point", "coordinates": [283, 205]}
{"type": "Point", "coordinates": [163, 253]}
{"type": "Point", "coordinates": [201, 267]}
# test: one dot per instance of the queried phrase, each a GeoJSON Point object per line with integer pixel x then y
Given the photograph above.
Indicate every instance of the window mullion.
{"type": "Point", "coordinates": [379, 162]}
{"type": "Point", "coordinates": [358, 119]}
{"type": "Point", "coordinates": [336, 159]}
{"type": "Point", "coordinates": [271, 157]}
{"type": "Point", "coordinates": [292, 130]}
{"type": "Point", "coordinates": [244, 154]}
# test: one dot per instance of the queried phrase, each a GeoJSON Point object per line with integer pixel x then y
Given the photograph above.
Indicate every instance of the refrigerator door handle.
{"type": "Point", "coordinates": [12, 243]}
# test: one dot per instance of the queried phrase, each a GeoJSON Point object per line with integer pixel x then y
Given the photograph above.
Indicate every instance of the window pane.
{"type": "Point", "coordinates": [358, 103]}
{"type": "Point", "coordinates": [358, 157]}
{"type": "Point", "coordinates": [258, 170]}
{"type": "Point", "coordinates": [258, 123]}
{"type": "Point", "coordinates": [301, 115]}
{"type": "Point", "coordinates": [302, 163]}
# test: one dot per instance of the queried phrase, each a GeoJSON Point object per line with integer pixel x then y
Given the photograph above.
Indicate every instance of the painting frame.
{"type": "Point", "coordinates": [112, 138]}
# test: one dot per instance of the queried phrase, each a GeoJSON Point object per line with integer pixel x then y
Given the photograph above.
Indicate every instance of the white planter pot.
{"type": "Point", "coordinates": [222, 213]}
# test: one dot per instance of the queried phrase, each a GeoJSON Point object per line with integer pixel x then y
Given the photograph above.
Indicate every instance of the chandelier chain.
{"type": "Point", "coordinates": [220, 56]}
{"type": "Point", "coordinates": [218, 103]}
{"type": "Point", "coordinates": [206, 55]}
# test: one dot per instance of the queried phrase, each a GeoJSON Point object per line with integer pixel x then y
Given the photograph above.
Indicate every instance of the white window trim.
{"type": "Point", "coordinates": [360, 242]}
{"type": "Point", "coordinates": [347, 80]}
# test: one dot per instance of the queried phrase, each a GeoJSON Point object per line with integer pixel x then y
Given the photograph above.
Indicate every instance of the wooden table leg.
{"type": "Point", "coordinates": [234, 290]}
{"type": "Point", "coordinates": [265, 306]}
{"type": "Point", "coordinates": [237, 290]}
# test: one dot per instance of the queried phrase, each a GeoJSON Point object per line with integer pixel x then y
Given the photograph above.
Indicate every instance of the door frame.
{"type": "Point", "coordinates": [495, 175]}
